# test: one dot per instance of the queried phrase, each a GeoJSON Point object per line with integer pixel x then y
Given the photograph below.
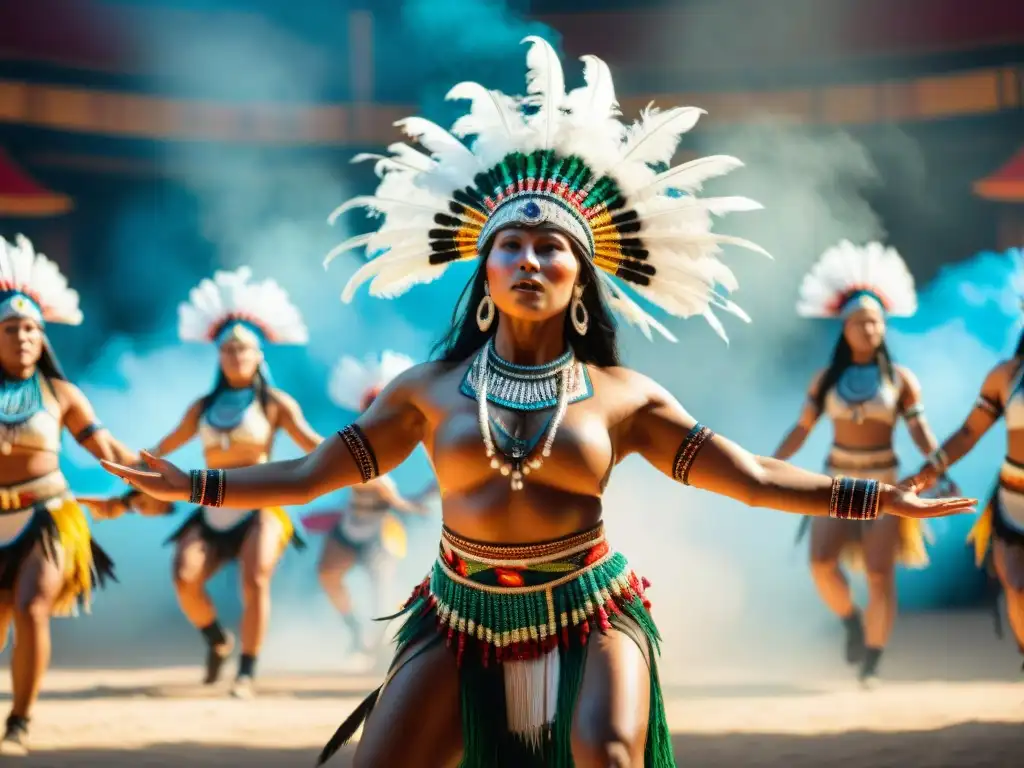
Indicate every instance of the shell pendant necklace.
{"type": "Point", "coordinates": [522, 462]}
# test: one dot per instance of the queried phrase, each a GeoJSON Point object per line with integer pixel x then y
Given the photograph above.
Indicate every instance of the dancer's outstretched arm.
{"type": "Point", "coordinates": [383, 436]}
{"type": "Point", "coordinates": [986, 412]}
{"type": "Point", "coordinates": [670, 439]}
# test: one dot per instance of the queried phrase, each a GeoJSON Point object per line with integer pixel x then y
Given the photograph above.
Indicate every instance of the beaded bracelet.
{"type": "Point", "coordinates": [688, 450]}
{"type": "Point", "coordinates": [207, 487]}
{"type": "Point", "coordinates": [854, 499]}
{"type": "Point", "coordinates": [939, 460]}
{"type": "Point", "coordinates": [359, 446]}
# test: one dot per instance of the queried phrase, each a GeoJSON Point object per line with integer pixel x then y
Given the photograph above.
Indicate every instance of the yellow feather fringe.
{"type": "Point", "coordinates": [75, 542]}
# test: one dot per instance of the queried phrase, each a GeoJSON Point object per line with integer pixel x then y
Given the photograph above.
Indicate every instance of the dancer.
{"type": "Point", "coordinates": [863, 393]}
{"type": "Point", "coordinates": [998, 535]}
{"type": "Point", "coordinates": [524, 415]}
{"type": "Point", "coordinates": [236, 422]}
{"type": "Point", "coordinates": [49, 563]}
{"type": "Point", "coordinates": [367, 532]}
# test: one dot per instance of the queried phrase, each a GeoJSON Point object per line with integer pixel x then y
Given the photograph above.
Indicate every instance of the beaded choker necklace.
{"type": "Point", "coordinates": [526, 387]}
{"type": "Point", "coordinates": [523, 388]}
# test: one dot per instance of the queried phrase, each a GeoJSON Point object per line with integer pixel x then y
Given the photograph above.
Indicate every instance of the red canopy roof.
{"type": "Point", "coordinates": [1005, 185]}
{"type": "Point", "coordinates": [21, 196]}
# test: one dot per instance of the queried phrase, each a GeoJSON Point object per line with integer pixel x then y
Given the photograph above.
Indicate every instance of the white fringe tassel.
{"type": "Point", "coordinates": [531, 696]}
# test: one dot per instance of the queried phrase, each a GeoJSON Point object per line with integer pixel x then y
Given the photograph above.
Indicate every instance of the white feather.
{"type": "Point", "coordinates": [545, 84]}
{"type": "Point", "coordinates": [352, 380]}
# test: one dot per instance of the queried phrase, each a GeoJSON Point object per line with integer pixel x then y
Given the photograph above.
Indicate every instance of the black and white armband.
{"type": "Point", "coordinates": [359, 446]}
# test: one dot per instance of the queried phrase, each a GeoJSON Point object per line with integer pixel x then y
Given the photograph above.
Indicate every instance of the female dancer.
{"type": "Point", "coordinates": [863, 393]}
{"type": "Point", "coordinates": [1002, 522]}
{"type": "Point", "coordinates": [237, 422]}
{"type": "Point", "coordinates": [524, 416]}
{"type": "Point", "coordinates": [366, 533]}
{"type": "Point", "coordinates": [49, 563]}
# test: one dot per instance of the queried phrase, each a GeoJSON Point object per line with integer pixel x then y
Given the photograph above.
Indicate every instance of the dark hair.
{"type": "Point", "coordinates": [259, 384]}
{"type": "Point", "coordinates": [1020, 346]}
{"type": "Point", "coordinates": [598, 347]}
{"type": "Point", "coordinates": [842, 358]}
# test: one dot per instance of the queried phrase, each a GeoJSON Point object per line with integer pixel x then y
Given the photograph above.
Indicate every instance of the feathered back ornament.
{"type": "Point", "coordinates": [231, 303]}
{"type": "Point", "coordinates": [354, 383]}
{"type": "Point", "coordinates": [32, 286]}
{"type": "Point", "coordinates": [848, 277]}
{"type": "Point", "coordinates": [561, 159]}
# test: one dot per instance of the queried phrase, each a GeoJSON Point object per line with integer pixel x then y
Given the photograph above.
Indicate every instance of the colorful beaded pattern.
{"type": "Point", "coordinates": [688, 451]}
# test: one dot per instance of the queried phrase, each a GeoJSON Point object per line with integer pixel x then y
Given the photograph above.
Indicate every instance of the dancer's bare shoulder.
{"type": "Point", "coordinates": [624, 392]}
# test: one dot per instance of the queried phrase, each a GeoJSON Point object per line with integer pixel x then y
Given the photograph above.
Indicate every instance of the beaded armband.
{"type": "Point", "coordinates": [913, 412]}
{"type": "Point", "coordinates": [854, 499]}
{"type": "Point", "coordinates": [688, 451]}
{"type": "Point", "coordinates": [988, 406]}
{"type": "Point", "coordinates": [207, 487]}
{"type": "Point", "coordinates": [89, 431]}
{"type": "Point", "coordinates": [359, 446]}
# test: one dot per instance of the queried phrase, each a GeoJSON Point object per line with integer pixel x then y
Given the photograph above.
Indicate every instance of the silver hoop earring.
{"type": "Point", "coordinates": [578, 312]}
{"type": "Point", "coordinates": [485, 310]}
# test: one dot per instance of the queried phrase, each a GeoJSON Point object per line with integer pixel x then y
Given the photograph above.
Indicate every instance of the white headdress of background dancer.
{"type": "Point", "coordinates": [32, 286]}
{"type": "Point", "coordinates": [354, 383]}
{"type": "Point", "coordinates": [848, 277]}
{"type": "Point", "coordinates": [562, 159]}
{"type": "Point", "coordinates": [231, 305]}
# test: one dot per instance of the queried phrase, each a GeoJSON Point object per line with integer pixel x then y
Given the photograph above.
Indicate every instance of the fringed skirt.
{"type": "Point", "coordinates": [1003, 517]}
{"type": "Point", "coordinates": [873, 464]}
{"type": "Point", "coordinates": [43, 512]}
{"type": "Point", "coordinates": [517, 619]}
{"type": "Point", "coordinates": [224, 530]}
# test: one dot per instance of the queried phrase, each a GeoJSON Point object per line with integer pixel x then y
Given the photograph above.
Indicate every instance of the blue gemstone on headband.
{"type": "Point", "coordinates": [531, 210]}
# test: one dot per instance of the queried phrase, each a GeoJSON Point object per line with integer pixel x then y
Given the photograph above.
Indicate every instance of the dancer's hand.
{"type": "Point", "coordinates": [922, 480]}
{"type": "Point", "coordinates": [901, 503]}
{"type": "Point", "coordinates": [162, 480]}
{"type": "Point", "coordinates": [103, 509]}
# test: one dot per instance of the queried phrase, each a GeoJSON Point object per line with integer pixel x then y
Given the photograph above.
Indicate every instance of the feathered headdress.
{"type": "Point", "coordinates": [230, 304]}
{"type": "Point", "coordinates": [32, 286]}
{"type": "Point", "coordinates": [557, 158]}
{"type": "Point", "coordinates": [848, 277]}
{"type": "Point", "coordinates": [354, 384]}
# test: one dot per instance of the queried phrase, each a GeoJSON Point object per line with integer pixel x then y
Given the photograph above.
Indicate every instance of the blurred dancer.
{"type": "Point", "coordinates": [998, 536]}
{"type": "Point", "coordinates": [863, 393]}
{"type": "Point", "coordinates": [367, 532]}
{"type": "Point", "coordinates": [49, 562]}
{"type": "Point", "coordinates": [236, 422]}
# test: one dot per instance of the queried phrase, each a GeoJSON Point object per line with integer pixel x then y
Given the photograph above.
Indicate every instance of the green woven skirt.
{"type": "Point", "coordinates": [517, 618]}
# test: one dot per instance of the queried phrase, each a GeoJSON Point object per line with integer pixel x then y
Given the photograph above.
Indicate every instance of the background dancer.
{"type": "Point", "coordinates": [998, 536]}
{"type": "Point", "coordinates": [863, 393]}
{"type": "Point", "coordinates": [524, 416]}
{"type": "Point", "coordinates": [367, 531]}
{"type": "Point", "coordinates": [236, 422]}
{"type": "Point", "coordinates": [49, 562]}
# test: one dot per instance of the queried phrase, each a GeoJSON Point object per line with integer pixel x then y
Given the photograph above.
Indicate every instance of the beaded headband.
{"type": "Point", "coordinates": [563, 159]}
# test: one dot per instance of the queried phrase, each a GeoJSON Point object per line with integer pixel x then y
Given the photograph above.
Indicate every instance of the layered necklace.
{"type": "Point", "coordinates": [526, 389]}
{"type": "Point", "coordinates": [857, 385]}
{"type": "Point", "coordinates": [227, 411]}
